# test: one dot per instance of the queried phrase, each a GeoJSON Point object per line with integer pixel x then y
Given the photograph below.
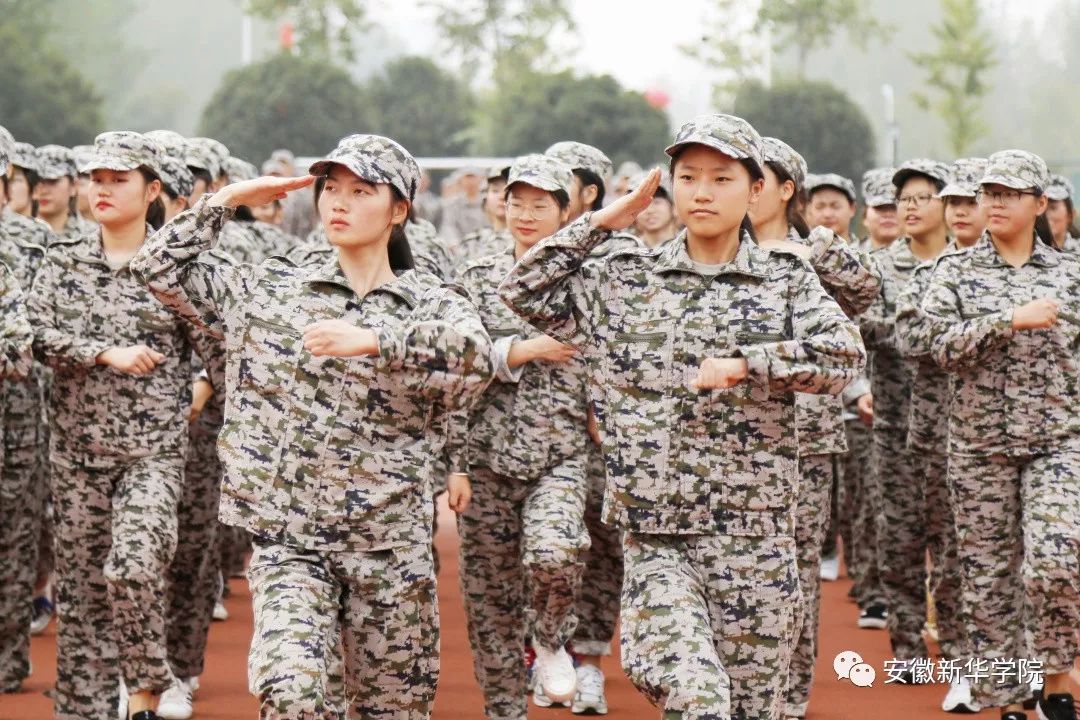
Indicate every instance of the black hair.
{"type": "Point", "coordinates": [851, 201]}
{"type": "Point", "coordinates": [155, 213]}
{"type": "Point", "coordinates": [793, 211]}
{"type": "Point", "coordinates": [32, 179]}
{"type": "Point", "coordinates": [939, 184]}
{"type": "Point", "coordinates": [243, 214]}
{"type": "Point", "coordinates": [561, 196]}
{"type": "Point", "coordinates": [398, 251]}
{"type": "Point", "coordinates": [4, 182]}
{"type": "Point", "coordinates": [201, 174]}
{"type": "Point", "coordinates": [587, 178]}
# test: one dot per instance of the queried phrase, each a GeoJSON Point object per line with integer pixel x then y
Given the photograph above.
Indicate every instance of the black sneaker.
{"type": "Point", "coordinates": [1036, 696]}
{"type": "Point", "coordinates": [1059, 706]}
{"type": "Point", "coordinates": [145, 715]}
{"type": "Point", "coordinates": [874, 617]}
{"type": "Point", "coordinates": [1014, 715]}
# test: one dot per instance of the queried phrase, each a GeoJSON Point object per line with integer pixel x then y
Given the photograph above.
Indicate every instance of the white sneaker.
{"type": "Point", "coordinates": [543, 701]}
{"type": "Point", "coordinates": [958, 699]}
{"type": "Point", "coordinates": [555, 674]}
{"type": "Point", "coordinates": [589, 698]}
{"type": "Point", "coordinates": [122, 704]}
{"type": "Point", "coordinates": [830, 568]}
{"type": "Point", "coordinates": [175, 703]}
{"type": "Point", "coordinates": [220, 613]}
{"type": "Point", "coordinates": [194, 684]}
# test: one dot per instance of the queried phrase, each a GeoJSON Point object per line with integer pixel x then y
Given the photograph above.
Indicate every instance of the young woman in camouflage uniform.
{"type": "Point", "coordinates": [1001, 318]}
{"type": "Point", "coordinates": [1061, 214]}
{"type": "Point", "coordinates": [696, 351]}
{"type": "Point", "coordinates": [55, 192]}
{"type": "Point", "coordinates": [523, 537]}
{"type": "Point", "coordinates": [851, 279]}
{"type": "Point", "coordinates": [121, 390]}
{"type": "Point", "coordinates": [339, 375]}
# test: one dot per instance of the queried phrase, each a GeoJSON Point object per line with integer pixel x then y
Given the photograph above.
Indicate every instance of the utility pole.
{"type": "Point", "coordinates": [892, 130]}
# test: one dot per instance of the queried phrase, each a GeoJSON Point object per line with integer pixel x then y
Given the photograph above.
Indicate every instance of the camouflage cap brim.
{"type": "Point", "coordinates": [1009, 181]}
{"type": "Point", "coordinates": [957, 190]}
{"type": "Point", "coordinates": [879, 200]}
{"type": "Point", "coordinates": [110, 161]}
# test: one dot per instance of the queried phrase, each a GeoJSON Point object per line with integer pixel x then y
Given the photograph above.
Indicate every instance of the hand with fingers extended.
{"type": "Point", "coordinates": [1037, 314]}
{"type": "Point", "coordinates": [259, 191]}
{"type": "Point", "coordinates": [720, 373]}
{"type": "Point", "coordinates": [338, 338]}
{"type": "Point", "coordinates": [622, 213]}
{"type": "Point", "coordinates": [133, 360]}
{"type": "Point", "coordinates": [539, 348]}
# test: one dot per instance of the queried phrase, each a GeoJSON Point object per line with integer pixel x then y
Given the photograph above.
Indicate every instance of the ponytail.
{"type": "Point", "coordinates": [1043, 231]}
{"type": "Point", "coordinates": [155, 212]}
{"type": "Point", "coordinates": [793, 209]}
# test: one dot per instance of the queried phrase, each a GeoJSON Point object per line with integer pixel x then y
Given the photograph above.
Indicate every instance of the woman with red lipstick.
{"type": "Point", "coordinates": [905, 518]}
{"type": "Point", "coordinates": [121, 392]}
{"type": "Point", "coordinates": [524, 535]}
{"type": "Point", "coordinates": [1002, 321]}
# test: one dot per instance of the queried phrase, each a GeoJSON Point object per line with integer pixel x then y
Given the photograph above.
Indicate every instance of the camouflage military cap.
{"type": "Point", "coordinates": [200, 157]}
{"type": "Point", "coordinates": [173, 142]}
{"type": "Point", "coordinates": [541, 171]}
{"type": "Point", "coordinates": [1016, 169]}
{"type": "Point", "coordinates": [283, 155]}
{"type": "Point", "coordinates": [176, 176]}
{"type": "Point", "coordinates": [629, 169]}
{"type": "Point", "coordinates": [964, 176]}
{"type": "Point", "coordinates": [831, 180]}
{"type": "Point", "coordinates": [376, 159]}
{"type": "Point", "coordinates": [217, 151]}
{"type": "Point", "coordinates": [1059, 188]}
{"type": "Point", "coordinates": [239, 170]}
{"type": "Point", "coordinates": [55, 162]}
{"type": "Point", "coordinates": [82, 155]}
{"type": "Point", "coordinates": [7, 149]}
{"type": "Point", "coordinates": [497, 172]}
{"type": "Point", "coordinates": [778, 151]}
{"type": "Point", "coordinates": [275, 167]}
{"type": "Point", "coordinates": [125, 150]}
{"type": "Point", "coordinates": [24, 156]}
{"type": "Point", "coordinates": [933, 169]}
{"type": "Point", "coordinates": [731, 135]}
{"type": "Point", "coordinates": [877, 187]}
{"type": "Point", "coordinates": [580, 156]}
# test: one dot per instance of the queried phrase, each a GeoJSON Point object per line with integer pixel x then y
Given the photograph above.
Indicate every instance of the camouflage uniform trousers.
{"type": "Point", "coordinates": [708, 623]}
{"type": "Point", "coordinates": [1018, 539]}
{"type": "Point", "coordinates": [115, 537]}
{"type": "Point", "coordinates": [22, 507]}
{"type": "Point", "coordinates": [913, 517]}
{"type": "Point", "coordinates": [374, 613]}
{"type": "Point", "coordinates": [515, 535]}
{"type": "Point", "coordinates": [817, 477]}
{"type": "Point", "coordinates": [598, 606]}
{"type": "Point", "coordinates": [194, 576]}
{"type": "Point", "coordinates": [859, 503]}
{"type": "Point", "coordinates": [233, 546]}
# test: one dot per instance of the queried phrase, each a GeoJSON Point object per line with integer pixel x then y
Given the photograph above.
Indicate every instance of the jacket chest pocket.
{"type": "Point", "coordinates": [641, 359]}
{"type": "Point", "coordinates": [269, 356]}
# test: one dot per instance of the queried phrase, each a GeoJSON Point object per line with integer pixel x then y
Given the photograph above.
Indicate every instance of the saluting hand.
{"type": "Point", "coordinates": [622, 213]}
{"type": "Point", "coordinates": [720, 373]}
{"type": "Point", "coordinates": [1036, 314]}
{"type": "Point", "coordinates": [338, 338]}
{"type": "Point", "coordinates": [134, 360]}
{"type": "Point", "coordinates": [260, 191]}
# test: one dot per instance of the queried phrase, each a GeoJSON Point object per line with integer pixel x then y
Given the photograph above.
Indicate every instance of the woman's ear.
{"type": "Point", "coordinates": [787, 191]}
{"type": "Point", "coordinates": [153, 190]}
{"type": "Point", "coordinates": [755, 190]}
{"type": "Point", "coordinates": [1041, 204]}
{"type": "Point", "coordinates": [564, 213]}
{"type": "Point", "coordinates": [399, 212]}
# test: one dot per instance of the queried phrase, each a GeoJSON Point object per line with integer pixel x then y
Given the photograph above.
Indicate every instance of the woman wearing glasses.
{"type": "Point", "coordinates": [1001, 320]}
{"type": "Point", "coordinates": [907, 524]}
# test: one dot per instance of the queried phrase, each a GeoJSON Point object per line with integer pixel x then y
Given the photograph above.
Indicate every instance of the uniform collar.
{"type": "Point", "coordinates": [749, 258]}
{"type": "Point", "coordinates": [90, 249]}
{"type": "Point", "coordinates": [986, 254]}
{"type": "Point", "coordinates": [405, 286]}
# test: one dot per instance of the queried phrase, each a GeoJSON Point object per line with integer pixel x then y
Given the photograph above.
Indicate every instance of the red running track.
{"type": "Point", "coordinates": [224, 696]}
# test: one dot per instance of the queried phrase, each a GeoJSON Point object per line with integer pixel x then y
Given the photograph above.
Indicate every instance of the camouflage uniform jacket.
{"type": "Point", "coordinates": [16, 337]}
{"type": "Point", "coordinates": [22, 249]}
{"type": "Point", "coordinates": [76, 227]}
{"type": "Point", "coordinates": [679, 460]}
{"type": "Point", "coordinates": [533, 416]}
{"type": "Point", "coordinates": [853, 280]}
{"type": "Point", "coordinates": [479, 244]}
{"type": "Point", "coordinates": [928, 413]}
{"type": "Point", "coordinates": [326, 453]}
{"type": "Point", "coordinates": [1013, 392]}
{"type": "Point", "coordinates": [893, 375]}
{"type": "Point", "coordinates": [253, 242]}
{"type": "Point", "coordinates": [80, 307]}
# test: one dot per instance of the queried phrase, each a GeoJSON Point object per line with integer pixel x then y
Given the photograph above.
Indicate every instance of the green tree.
{"type": "Point", "coordinates": [809, 24]}
{"type": "Point", "coordinates": [286, 101]}
{"type": "Point", "coordinates": [506, 37]}
{"type": "Point", "coordinates": [324, 28]}
{"type": "Point", "coordinates": [956, 72]}
{"type": "Point", "coordinates": [44, 99]}
{"type": "Point", "coordinates": [421, 106]}
{"type": "Point", "coordinates": [815, 118]}
{"type": "Point", "coordinates": [591, 109]}
{"type": "Point", "coordinates": [730, 46]}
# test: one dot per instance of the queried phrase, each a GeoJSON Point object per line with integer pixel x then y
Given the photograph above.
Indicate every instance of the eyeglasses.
{"type": "Point", "coordinates": [920, 200]}
{"type": "Point", "coordinates": [1002, 197]}
{"type": "Point", "coordinates": [536, 212]}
